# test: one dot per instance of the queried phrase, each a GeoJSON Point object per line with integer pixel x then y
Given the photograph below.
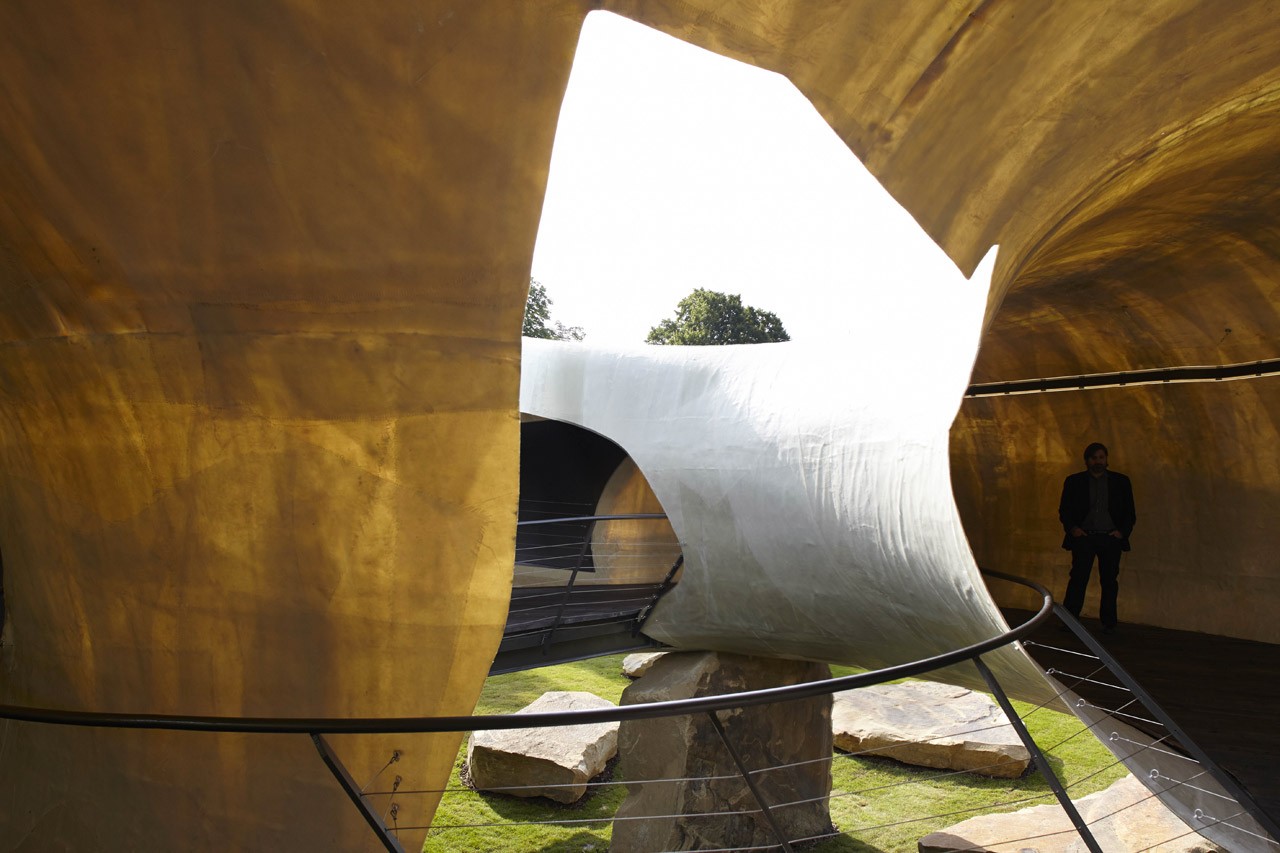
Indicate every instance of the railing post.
{"type": "Point", "coordinates": [1228, 783]}
{"type": "Point", "coordinates": [348, 784]}
{"type": "Point", "coordinates": [643, 615]}
{"type": "Point", "coordinates": [746, 777]}
{"type": "Point", "coordinates": [568, 590]}
{"type": "Point", "coordinates": [1041, 762]}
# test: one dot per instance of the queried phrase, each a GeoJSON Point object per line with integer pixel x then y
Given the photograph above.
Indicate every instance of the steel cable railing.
{"type": "Point", "coordinates": [571, 548]}
{"type": "Point", "coordinates": [441, 831]}
{"type": "Point", "coordinates": [406, 725]}
{"type": "Point", "coordinates": [1073, 680]}
{"type": "Point", "coordinates": [317, 727]}
{"type": "Point", "coordinates": [842, 754]}
{"type": "Point", "coordinates": [1154, 739]}
{"type": "Point", "coordinates": [1120, 379]}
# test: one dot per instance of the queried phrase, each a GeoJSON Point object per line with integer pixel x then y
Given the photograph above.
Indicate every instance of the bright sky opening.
{"type": "Point", "coordinates": [676, 168]}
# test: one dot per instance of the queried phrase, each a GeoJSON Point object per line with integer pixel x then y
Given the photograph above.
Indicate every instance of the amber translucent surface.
{"type": "Point", "coordinates": [262, 266]}
{"type": "Point", "coordinates": [632, 550]}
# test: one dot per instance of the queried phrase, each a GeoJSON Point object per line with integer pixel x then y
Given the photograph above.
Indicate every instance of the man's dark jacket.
{"type": "Point", "coordinates": [1074, 506]}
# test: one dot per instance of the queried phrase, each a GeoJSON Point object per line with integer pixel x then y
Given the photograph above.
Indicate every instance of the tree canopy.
{"type": "Point", "coordinates": [537, 318]}
{"type": "Point", "coordinates": [710, 318]}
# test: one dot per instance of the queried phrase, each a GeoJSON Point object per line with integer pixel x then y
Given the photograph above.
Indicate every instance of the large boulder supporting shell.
{"type": "Point", "coordinates": [689, 748]}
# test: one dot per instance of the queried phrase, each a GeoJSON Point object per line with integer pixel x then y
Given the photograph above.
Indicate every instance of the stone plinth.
{"type": "Point", "coordinates": [689, 747]}
{"type": "Point", "coordinates": [554, 762]}
{"type": "Point", "coordinates": [929, 725]}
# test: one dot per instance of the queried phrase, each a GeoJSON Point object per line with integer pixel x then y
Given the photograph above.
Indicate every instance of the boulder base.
{"type": "Point", "coordinates": [929, 725]}
{"type": "Point", "coordinates": [1123, 819]}
{"type": "Point", "coordinates": [555, 763]}
{"type": "Point", "coordinates": [688, 747]}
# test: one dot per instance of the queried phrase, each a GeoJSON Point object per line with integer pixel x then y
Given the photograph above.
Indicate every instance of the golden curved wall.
{"type": "Point", "coordinates": [262, 270]}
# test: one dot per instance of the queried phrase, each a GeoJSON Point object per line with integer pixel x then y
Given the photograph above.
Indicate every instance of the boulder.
{"type": "Point", "coordinates": [929, 725]}
{"type": "Point", "coordinates": [1124, 818]}
{"type": "Point", "coordinates": [555, 762]}
{"type": "Point", "coordinates": [634, 666]}
{"type": "Point", "coordinates": [688, 747]}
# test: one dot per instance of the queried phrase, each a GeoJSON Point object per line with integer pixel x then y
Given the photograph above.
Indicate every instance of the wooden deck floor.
{"type": "Point", "coordinates": [1223, 692]}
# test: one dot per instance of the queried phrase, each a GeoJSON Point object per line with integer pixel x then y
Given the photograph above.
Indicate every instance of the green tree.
{"type": "Point", "coordinates": [709, 318]}
{"type": "Point", "coordinates": [537, 318]}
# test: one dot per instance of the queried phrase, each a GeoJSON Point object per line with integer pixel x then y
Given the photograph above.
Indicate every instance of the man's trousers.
{"type": "Point", "coordinates": [1106, 548]}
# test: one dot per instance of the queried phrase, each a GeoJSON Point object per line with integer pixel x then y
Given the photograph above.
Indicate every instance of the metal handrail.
{"type": "Point", "coordinates": [581, 557]}
{"type": "Point", "coordinates": [667, 583]}
{"type": "Point", "coordinates": [493, 722]}
{"type": "Point", "coordinates": [620, 517]}
{"type": "Point", "coordinates": [316, 727]}
{"type": "Point", "coordinates": [1120, 379]}
{"type": "Point", "coordinates": [568, 590]}
{"type": "Point", "coordinates": [1185, 743]}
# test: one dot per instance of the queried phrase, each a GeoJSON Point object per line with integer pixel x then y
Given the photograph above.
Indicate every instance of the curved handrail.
{"type": "Point", "coordinates": [621, 517]}
{"type": "Point", "coordinates": [1123, 378]}
{"type": "Point", "coordinates": [406, 725]}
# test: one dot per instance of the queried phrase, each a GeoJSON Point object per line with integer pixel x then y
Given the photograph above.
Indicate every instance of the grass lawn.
{"type": "Point", "coordinates": [878, 804]}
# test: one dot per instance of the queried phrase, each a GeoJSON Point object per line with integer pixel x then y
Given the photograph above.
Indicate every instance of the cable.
{"type": "Point", "coordinates": [395, 756]}
{"type": "Point", "coordinates": [464, 788]}
{"type": "Point", "coordinates": [1214, 822]}
{"type": "Point", "coordinates": [1053, 671]}
{"type": "Point", "coordinates": [1116, 737]}
{"type": "Point", "coordinates": [1083, 703]}
{"type": "Point", "coordinates": [575, 821]}
{"type": "Point", "coordinates": [1046, 795]}
{"type": "Point", "coordinates": [732, 849]}
{"type": "Point", "coordinates": [1156, 774]}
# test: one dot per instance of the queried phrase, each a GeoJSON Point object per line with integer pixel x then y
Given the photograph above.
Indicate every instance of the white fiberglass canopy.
{"type": "Point", "coordinates": [809, 487]}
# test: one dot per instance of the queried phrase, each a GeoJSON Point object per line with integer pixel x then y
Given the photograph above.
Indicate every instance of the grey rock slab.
{"type": "Point", "coordinates": [552, 762]}
{"type": "Point", "coordinates": [1123, 819]}
{"type": "Point", "coordinates": [929, 725]}
{"type": "Point", "coordinates": [634, 666]}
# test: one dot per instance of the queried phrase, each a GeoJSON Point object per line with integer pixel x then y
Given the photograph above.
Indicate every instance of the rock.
{"type": "Point", "coordinates": [554, 762]}
{"type": "Point", "coordinates": [634, 666]}
{"type": "Point", "coordinates": [689, 747]}
{"type": "Point", "coordinates": [929, 725]}
{"type": "Point", "coordinates": [1124, 818]}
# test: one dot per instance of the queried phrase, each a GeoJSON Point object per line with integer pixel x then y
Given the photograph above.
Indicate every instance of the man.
{"type": "Point", "coordinates": [1097, 515]}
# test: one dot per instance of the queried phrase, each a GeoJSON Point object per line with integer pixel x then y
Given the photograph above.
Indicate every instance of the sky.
{"type": "Point", "coordinates": [675, 168]}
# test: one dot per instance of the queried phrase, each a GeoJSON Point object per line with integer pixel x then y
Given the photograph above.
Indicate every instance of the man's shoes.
{"type": "Point", "coordinates": [1108, 629]}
